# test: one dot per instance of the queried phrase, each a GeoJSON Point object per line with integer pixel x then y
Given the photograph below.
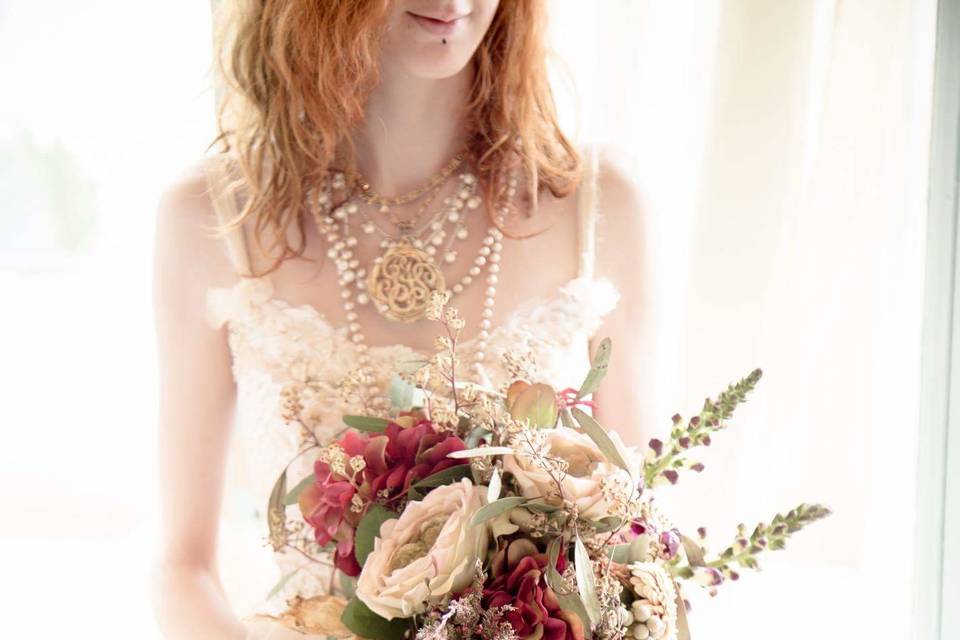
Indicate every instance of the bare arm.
{"type": "Point", "coordinates": [196, 404]}
{"type": "Point", "coordinates": [622, 399]}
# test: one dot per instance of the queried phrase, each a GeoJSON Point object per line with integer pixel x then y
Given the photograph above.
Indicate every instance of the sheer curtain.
{"type": "Point", "coordinates": [781, 148]}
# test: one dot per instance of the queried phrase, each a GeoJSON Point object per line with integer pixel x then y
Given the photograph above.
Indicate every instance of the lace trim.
{"type": "Point", "coordinates": [272, 334]}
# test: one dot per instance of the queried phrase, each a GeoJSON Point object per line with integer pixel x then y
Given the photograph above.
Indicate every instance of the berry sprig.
{"type": "Point", "coordinates": [663, 463]}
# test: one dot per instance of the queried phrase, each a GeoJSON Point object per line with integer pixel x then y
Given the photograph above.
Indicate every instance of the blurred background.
{"type": "Point", "coordinates": [783, 151]}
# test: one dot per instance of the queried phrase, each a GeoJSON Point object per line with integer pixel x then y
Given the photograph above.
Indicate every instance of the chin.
{"type": "Point", "coordinates": [436, 39]}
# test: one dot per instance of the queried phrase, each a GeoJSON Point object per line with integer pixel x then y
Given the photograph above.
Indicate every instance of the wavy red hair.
{"type": "Point", "coordinates": [296, 76]}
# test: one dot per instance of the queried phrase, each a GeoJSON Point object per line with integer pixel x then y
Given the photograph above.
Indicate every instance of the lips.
{"type": "Point", "coordinates": [437, 26]}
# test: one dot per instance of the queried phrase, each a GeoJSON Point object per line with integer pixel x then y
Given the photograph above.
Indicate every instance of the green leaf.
{"type": "Point", "coordinates": [586, 581]}
{"type": "Point", "coordinates": [604, 525]}
{"type": "Point", "coordinates": [366, 423]}
{"type": "Point", "coordinates": [602, 439]}
{"type": "Point", "coordinates": [401, 394]}
{"type": "Point", "coordinates": [280, 583]}
{"type": "Point", "coordinates": [537, 403]}
{"type": "Point", "coordinates": [683, 627]}
{"type": "Point", "coordinates": [494, 509]}
{"type": "Point", "coordinates": [369, 529]}
{"type": "Point", "coordinates": [348, 585]}
{"type": "Point", "coordinates": [567, 420]}
{"type": "Point", "coordinates": [493, 489]}
{"type": "Point", "coordinates": [555, 581]}
{"type": "Point", "coordinates": [541, 506]}
{"type": "Point", "coordinates": [481, 452]}
{"type": "Point", "coordinates": [450, 475]}
{"type": "Point", "coordinates": [693, 551]}
{"type": "Point", "coordinates": [294, 494]}
{"type": "Point", "coordinates": [276, 513]}
{"type": "Point", "coordinates": [598, 369]}
{"type": "Point", "coordinates": [365, 623]}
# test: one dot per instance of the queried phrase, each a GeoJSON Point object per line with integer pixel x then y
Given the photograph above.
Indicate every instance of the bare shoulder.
{"type": "Point", "coordinates": [186, 227]}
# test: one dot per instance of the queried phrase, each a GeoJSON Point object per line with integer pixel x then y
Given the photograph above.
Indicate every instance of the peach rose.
{"type": "Point", "coordinates": [588, 469]}
{"type": "Point", "coordinates": [428, 552]}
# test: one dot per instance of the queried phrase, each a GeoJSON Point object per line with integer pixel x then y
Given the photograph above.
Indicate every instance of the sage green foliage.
{"type": "Point", "coordinates": [369, 529]}
{"type": "Point", "coordinates": [365, 623]}
{"type": "Point", "coordinates": [294, 494]}
{"type": "Point", "coordinates": [366, 423]}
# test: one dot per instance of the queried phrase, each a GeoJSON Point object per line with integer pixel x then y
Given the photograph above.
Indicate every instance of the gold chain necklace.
{"type": "Point", "coordinates": [368, 195]}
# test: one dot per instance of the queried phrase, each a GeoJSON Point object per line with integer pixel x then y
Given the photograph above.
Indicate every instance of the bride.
{"type": "Point", "coordinates": [369, 151]}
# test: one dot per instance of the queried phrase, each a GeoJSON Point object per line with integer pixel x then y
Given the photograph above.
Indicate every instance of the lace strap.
{"type": "Point", "coordinates": [222, 188]}
{"type": "Point", "coordinates": [588, 194]}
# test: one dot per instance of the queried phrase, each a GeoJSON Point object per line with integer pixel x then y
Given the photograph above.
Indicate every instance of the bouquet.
{"type": "Point", "coordinates": [510, 514]}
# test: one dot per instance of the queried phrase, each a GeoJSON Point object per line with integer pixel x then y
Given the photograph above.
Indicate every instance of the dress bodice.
{"type": "Point", "coordinates": [279, 349]}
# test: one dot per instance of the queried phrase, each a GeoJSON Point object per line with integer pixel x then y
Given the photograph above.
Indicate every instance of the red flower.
{"type": "Point", "coordinates": [403, 455]}
{"type": "Point", "coordinates": [518, 580]}
{"type": "Point", "coordinates": [394, 460]}
{"type": "Point", "coordinates": [326, 503]}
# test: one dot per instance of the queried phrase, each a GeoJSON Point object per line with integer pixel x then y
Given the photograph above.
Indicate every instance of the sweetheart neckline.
{"type": "Point", "coordinates": [566, 288]}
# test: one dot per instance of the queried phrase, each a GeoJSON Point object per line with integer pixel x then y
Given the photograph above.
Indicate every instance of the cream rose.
{"type": "Point", "coordinates": [588, 469]}
{"type": "Point", "coordinates": [428, 552]}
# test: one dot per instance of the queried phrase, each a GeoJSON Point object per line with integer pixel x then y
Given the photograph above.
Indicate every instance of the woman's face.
{"type": "Point", "coordinates": [435, 38]}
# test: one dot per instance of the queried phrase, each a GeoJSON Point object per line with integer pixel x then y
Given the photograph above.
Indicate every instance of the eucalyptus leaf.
{"type": "Point", "coordinates": [494, 509]}
{"type": "Point", "coordinates": [619, 553]}
{"type": "Point", "coordinates": [276, 513]}
{"type": "Point", "coordinates": [450, 475]}
{"type": "Point", "coordinates": [604, 525]}
{"type": "Point", "coordinates": [683, 627]}
{"type": "Point", "coordinates": [493, 489]}
{"type": "Point", "coordinates": [586, 581]}
{"type": "Point", "coordinates": [401, 394]}
{"type": "Point", "coordinates": [693, 551]}
{"type": "Point", "coordinates": [566, 419]}
{"type": "Point", "coordinates": [481, 452]}
{"type": "Point", "coordinates": [348, 585]}
{"type": "Point", "coordinates": [369, 530]}
{"type": "Point", "coordinates": [567, 600]}
{"type": "Point", "coordinates": [294, 494]}
{"type": "Point", "coordinates": [601, 438]}
{"type": "Point", "coordinates": [598, 369]}
{"type": "Point", "coordinates": [541, 506]}
{"type": "Point", "coordinates": [366, 423]}
{"type": "Point", "coordinates": [365, 623]}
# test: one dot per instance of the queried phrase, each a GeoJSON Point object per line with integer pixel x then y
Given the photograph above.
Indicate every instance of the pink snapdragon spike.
{"type": "Point", "coordinates": [656, 446]}
{"type": "Point", "coordinates": [669, 543]}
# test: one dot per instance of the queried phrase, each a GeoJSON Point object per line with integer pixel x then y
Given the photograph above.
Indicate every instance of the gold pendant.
{"type": "Point", "coordinates": [401, 283]}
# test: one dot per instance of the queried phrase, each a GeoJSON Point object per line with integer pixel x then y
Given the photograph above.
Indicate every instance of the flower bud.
{"type": "Point", "coordinates": [669, 544]}
{"type": "Point", "coordinates": [657, 446]}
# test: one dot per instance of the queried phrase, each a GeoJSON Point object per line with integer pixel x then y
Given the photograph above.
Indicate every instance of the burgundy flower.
{"type": "Point", "coordinates": [403, 455]}
{"type": "Point", "coordinates": [517, 579]}
{"type": "Point", "coordinates": [396, 459]}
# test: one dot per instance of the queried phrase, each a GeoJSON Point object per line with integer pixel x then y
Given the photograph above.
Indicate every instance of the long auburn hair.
{"type": "Point", "coordinates": [295, 77]}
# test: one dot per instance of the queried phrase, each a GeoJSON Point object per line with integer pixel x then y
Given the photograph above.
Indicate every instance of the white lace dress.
{"type": "Point", "coordinates": [276, 345]}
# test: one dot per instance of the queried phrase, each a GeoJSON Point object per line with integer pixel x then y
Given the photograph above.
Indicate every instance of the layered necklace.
{"type": "Point", "coordinates": [400, 281]}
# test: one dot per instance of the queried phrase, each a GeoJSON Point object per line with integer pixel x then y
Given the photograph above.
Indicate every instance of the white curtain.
{"type": "Point", "coordinates": [781, 149]}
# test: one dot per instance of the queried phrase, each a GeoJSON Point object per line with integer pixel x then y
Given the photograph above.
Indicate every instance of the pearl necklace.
{"type": "Point", "coordinates": [335, 228]}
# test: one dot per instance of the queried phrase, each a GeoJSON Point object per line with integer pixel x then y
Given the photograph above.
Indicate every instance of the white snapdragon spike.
{"type": "Point", "coordinates": [429, 552]}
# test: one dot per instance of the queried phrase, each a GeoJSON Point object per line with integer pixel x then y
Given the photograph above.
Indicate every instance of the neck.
{"type": "Point", "coordinates": [413, 127]}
